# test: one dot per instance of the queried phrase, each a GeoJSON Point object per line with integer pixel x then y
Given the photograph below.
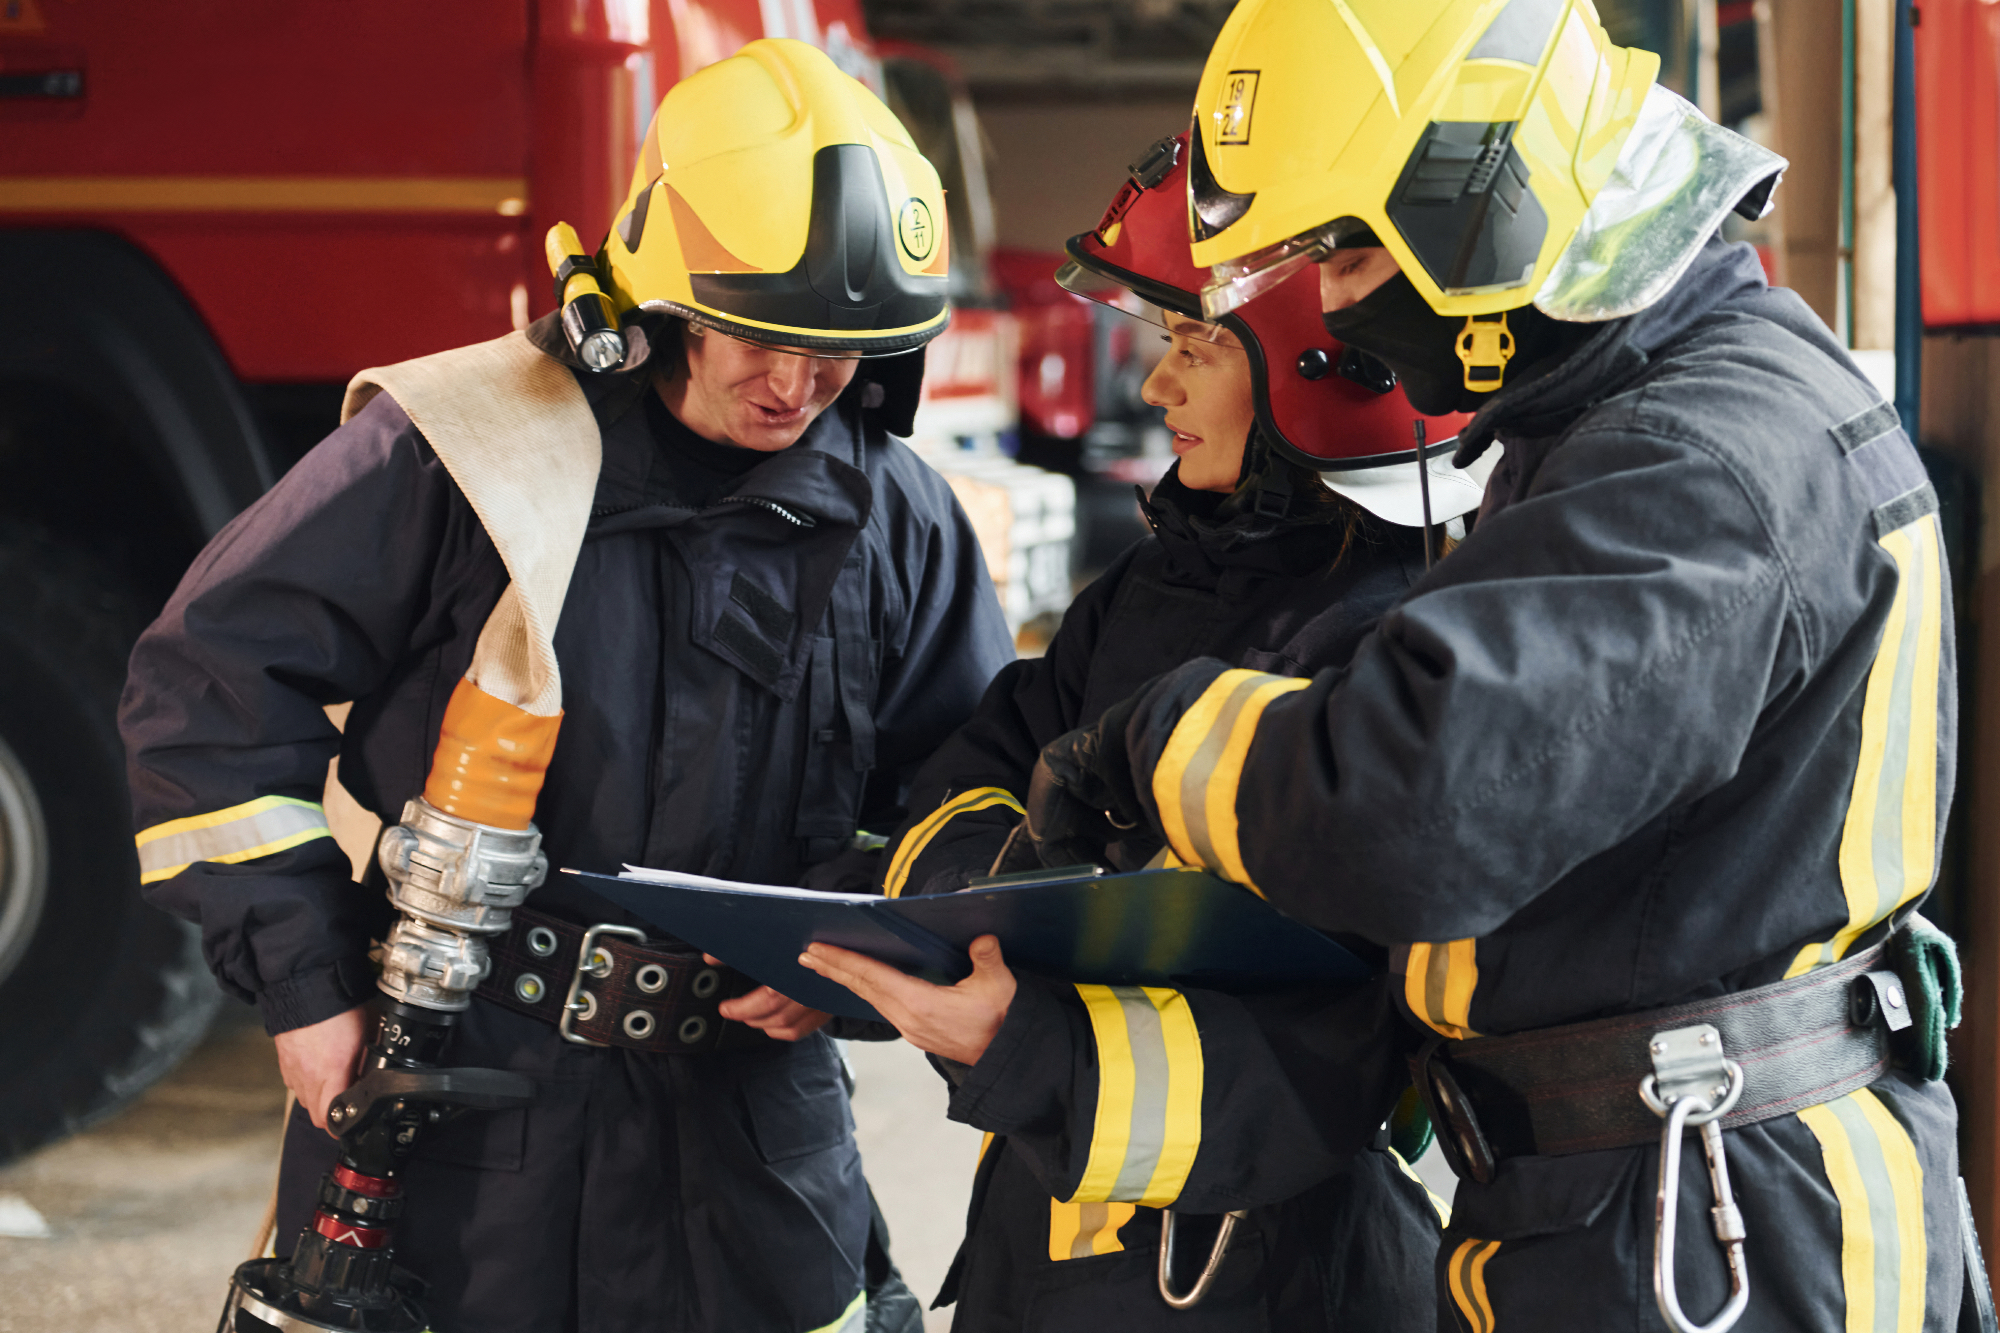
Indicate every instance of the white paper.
{"type": "Point", "coordinates": [651, 876]}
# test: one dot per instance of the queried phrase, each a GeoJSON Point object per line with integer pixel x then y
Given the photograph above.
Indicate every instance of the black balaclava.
{"type": "Point", "coordinates": [1394, 323]}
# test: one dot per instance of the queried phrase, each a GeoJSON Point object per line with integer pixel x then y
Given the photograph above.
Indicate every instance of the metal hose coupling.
{"type": "Point", "coordinates": [455, 882]}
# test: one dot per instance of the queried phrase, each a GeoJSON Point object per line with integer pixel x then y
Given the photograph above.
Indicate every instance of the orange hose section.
{"type": "Point", "coordinates": [491, 758]}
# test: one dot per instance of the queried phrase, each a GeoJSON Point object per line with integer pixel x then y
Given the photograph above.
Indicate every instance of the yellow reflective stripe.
{"type": "Point", "coordinates": [1879, 1184]}
{"type": "Point", "coordinates": [918, 838]}
{"type": "Point", "coordinates": [1888, 842]}
{"type": "Point", "coordinates": [850, 1320]}
{"type": "Point", "coordinates": [1079, 1230]}
{"type": "Point", "coordinates": [984, 1144]}
{"type": "Point", "coordinates": [1146, 1130]}
{"type": "Point", "coordinates": [1438, 985]}
{"type": "Point", "coordinates": [240, 833]}
{"type": "Point", "coordinates": [1443, 1208]}
{"type": "Point", "coordinates": [1467, 1275]}
{"type": "Point", "coordinates": [503, 195]}
{"type": "Point", "coordinates": [1195, 782]}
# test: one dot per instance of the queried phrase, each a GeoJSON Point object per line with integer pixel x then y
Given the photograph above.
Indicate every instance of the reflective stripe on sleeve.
{"type": "Point", "coordinates": [852, 1320]}
{"type": "Point", "coordinates": [1468, 1283]}
{"type": "Point", "coordinates": [1888, 844]}
{"type": "Point", "coordinates": [1079, 1230]}
{"type": "Point", "coordinates": [1879, 1183]}
{"type": "Point", "coordinates": [1438, 985]}
{"type": "Point", "coordinates": [1147, 1127]}
{"type": "Point", "coordinates": [1195, 782]}
{"type": "Point", "coordinates": [918, 838]}
{"type": "Point", "coordinates": [240, 833]}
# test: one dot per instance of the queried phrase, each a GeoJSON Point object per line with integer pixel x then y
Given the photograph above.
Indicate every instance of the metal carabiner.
{"type": "Point", "coordinates": [1208, 1270]}
{"type": "Point", "coordinates": [1685, 1088]}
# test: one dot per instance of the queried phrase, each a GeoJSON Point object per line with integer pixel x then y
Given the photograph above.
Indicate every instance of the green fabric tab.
{"type": "Point", "coordinates": [1927, 961]}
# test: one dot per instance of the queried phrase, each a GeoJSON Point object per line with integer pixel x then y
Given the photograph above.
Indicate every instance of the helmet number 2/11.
{"type": "Point", "coordinates": [914, 229]}
{"type": "Point", "coordinates": [1239, 96]}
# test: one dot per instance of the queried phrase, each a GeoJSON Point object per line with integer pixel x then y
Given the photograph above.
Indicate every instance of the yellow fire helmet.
{"type": "Point", "coordinates": [1469, 137]}
{"type": "Point", "coordinates": [777, 200]}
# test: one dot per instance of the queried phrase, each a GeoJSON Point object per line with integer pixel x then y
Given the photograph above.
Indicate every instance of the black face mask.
{"type": "Point", "coordinates": [1395, 324]}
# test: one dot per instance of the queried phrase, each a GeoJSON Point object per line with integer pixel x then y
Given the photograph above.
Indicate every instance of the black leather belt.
{"type": "Point", "coordinates": [1572, 1089]}
{"type": "Point", "coordinates": [607, 985]}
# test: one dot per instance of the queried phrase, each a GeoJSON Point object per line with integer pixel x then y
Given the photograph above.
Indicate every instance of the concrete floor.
{"type": "Point", "coordinates": [148, 1213]}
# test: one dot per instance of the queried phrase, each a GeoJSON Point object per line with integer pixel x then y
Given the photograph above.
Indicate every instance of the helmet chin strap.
{"type": "Point", "coordinates": [1485, 345]}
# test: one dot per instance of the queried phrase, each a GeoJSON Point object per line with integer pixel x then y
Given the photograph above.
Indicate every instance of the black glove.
{"type": "Point", "coordinates": [1082, 795]}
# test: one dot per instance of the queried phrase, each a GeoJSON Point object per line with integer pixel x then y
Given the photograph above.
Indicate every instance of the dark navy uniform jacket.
{"type": "Point", "coordinates": [1677, 720]}
{"type": "Point", "coordinates": [741, 686]}
{"type": "Point", "coordinates": [1111, 1103]}
{"type": "Point", "coordinates": [753, 663]}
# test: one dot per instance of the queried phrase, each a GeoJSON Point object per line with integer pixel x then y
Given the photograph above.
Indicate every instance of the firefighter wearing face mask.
{"type": "Point", "coordinates": [1644, 785]}
{"type": "Point", "coordinates": [653, 583]}
{"type": "Point", "coordinates": [1287, 525]}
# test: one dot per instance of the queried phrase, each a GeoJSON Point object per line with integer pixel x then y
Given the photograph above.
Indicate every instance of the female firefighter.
{"type": "Point", "coordinates": [1265, 1111]}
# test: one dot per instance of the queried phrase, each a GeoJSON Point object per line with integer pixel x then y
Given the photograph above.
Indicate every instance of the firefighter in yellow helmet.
{"type": "Point", "coordinates": [1645, 785]}
{"type": "Point", "coordinates": [652, 583]}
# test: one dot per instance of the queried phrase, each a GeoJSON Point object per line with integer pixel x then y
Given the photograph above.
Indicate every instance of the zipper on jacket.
{"type": "Point", "coordinates": [800, 520]}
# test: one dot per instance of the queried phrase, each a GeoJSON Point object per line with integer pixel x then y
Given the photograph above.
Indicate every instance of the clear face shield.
{"type": "Point", "coordinates": [1078, 280]}
{"type": "Point", "coordinates": [1237, 282]}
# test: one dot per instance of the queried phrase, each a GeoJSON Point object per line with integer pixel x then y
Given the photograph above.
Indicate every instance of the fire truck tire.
{"type": "Point", "coordinates": [101, 994]}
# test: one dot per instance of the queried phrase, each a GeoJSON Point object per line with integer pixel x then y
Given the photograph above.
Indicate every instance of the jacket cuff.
{"type": "Point", "coordinates": [314, 996]}
{"type": "Point", "coordinates": [1009, 1087]}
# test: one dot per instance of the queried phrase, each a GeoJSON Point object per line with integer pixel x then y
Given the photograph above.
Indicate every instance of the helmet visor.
{"type": "Point", "coordinates": [1080, 280]}
{"type": "Point", "coordinates": [1236, 282]}
{"type": "Point", "coordinates": [704, 327]}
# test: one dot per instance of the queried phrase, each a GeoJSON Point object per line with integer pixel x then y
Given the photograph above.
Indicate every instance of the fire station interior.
{"type": "Point", "coordinates": [186, 346]}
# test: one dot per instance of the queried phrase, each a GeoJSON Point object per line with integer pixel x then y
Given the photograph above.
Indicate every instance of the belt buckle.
{"type": "Point", "coordinates": [1459, 1135]}
{"type": "Point", "coordinates": [580, 1001]}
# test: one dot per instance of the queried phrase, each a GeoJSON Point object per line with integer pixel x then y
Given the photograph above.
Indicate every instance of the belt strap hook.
{"type": "Point", "coordinates": [579, 1000]}
{"type": "Point", "coordinates": [1694, 1083]}
{"type": "Point", "coordinates": [1208, 1270]}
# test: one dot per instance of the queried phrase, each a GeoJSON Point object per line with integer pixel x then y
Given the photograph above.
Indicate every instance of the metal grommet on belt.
{"type": "Point", "coordinates": [584, 1006]}
{"type": "Point", "coordinates": [530, 987]}
{"type": "Point", "coordinates": [705, 983]}
{"type": "Point", "coordinates": [692, 1029]}
{"type": "Point", "coordinates": [651, 978]}
{"type": "Point", "coordinates": [638, 1024]}
{"type": "Point", "coordinates": [541, 941]}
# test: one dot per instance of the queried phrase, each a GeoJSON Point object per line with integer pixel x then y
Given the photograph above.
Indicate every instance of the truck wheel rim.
{"type": "Point", "coordinates": [24, 861]}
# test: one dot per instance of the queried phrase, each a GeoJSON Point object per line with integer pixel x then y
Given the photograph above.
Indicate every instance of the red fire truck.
{"type": "Point", "coordinates": [209, 221]}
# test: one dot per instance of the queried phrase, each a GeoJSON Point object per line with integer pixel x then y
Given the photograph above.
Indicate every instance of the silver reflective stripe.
{"type": "Point", "coordinates": [1201, 768]}
{"type": "Point", "coordinates": [1150, 1078]}
{"type": "Point", "coordinates": [241, 833]}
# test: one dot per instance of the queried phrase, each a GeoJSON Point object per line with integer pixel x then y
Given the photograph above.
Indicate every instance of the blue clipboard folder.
{"type": "Point", "coordinates": [1182, 928]}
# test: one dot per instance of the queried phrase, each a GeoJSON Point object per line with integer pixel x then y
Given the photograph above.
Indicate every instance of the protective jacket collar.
{"type": "Point", "coordinates": [1203, 535]}
{"type": "Point", "coordinates": [1546, 404]}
